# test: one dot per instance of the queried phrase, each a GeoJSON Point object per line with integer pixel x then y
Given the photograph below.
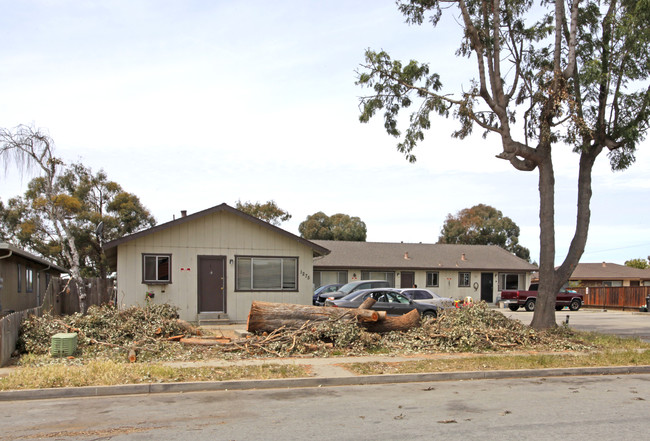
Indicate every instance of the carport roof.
{"type": "Point", "coordinates": [383, 255]}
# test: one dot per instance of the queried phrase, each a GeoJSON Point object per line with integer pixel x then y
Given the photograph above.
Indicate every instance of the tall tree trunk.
{"type": "Point", "coordinates": [544, 316]}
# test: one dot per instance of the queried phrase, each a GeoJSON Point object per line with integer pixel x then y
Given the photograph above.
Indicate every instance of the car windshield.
{"type": "Point", "coordinates": [354, 295]}
{"type": "Point", "coordinates": [348, 287]}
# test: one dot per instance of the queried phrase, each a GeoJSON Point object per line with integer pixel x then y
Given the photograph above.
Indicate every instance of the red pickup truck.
{"type": "Point", "coordinates": [566, 297]}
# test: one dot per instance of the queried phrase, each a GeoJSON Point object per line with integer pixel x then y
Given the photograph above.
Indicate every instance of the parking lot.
{"type": "Point", "coordinates": [622, 323]}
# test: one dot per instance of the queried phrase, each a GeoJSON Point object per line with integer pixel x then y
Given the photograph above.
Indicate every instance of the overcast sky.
{"type": "Point", "coordinates": [188, 104]}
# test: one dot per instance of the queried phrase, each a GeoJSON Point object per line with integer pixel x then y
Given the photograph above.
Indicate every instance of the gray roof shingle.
{"type": "Point", "coordinates": [608, 271]}
{"type": "Point", "coordinates": [383, 255]}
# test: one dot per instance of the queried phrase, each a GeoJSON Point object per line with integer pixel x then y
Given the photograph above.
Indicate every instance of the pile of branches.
{"type": "Point", "coordinates": [152, 332]}
{"type": "Point", "coordinates": [108, 329]}
{"type": "Point", "coordinates": [471, 329]}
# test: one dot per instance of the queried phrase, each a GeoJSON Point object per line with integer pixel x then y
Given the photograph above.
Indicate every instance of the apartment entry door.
{"type": "Point", "coordinates": [212, 284]}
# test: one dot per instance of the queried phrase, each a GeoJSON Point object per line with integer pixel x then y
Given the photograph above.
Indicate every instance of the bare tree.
{"type": "Point", "coordinates": [28, 148]}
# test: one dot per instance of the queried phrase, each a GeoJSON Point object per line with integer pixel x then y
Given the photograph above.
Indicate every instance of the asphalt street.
{"type": "Point", "coordinates": [567, 408]}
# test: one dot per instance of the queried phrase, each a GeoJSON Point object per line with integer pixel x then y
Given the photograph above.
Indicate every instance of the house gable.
{"type": "Point", "coordinates": [225, 237]}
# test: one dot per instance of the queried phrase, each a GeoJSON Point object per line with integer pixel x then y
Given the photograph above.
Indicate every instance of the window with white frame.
{"type": "Point", "coordinates": [266, 274]}
{"type": "Point", "coordinates": [464, 279]}
{"type": "Point", "coordinates": [612, 283]}
{"type": "Point", "coordinates": [29, 279]}
{"type": "Point", "coordinates": [156, 268]}
{"type": "Point", "coordinates": [432, 278]}
{"type": "Point", "coordinates": [389, 276]}
{"type": "Point", "coordinates": [329, 277]}
{"type": "Point", "coordinates": [511, 281]}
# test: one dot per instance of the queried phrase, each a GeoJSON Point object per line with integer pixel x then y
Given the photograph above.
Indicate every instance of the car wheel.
{"type": "Point", "coordinates": [559, 308]}
{"type": "Point", "coordinates": [574, 305]}
{"type": "Point", "coordinates": [429, 314]}
{"type": "Point", "coordinates": [513, 307]}
{"type": "Point", "coordinates": [530, 305]}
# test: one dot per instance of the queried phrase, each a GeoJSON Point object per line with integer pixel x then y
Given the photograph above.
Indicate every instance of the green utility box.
{"type": "Point", "coordinates": [64, 344]}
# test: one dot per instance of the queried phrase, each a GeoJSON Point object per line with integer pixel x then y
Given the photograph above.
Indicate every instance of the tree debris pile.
{"type": "Point", "coordinates": [479, 329]}
{"type": "Point", "coordinates": [153, 332]}
{"type": "Point", "coordinates": [472, 329]}
{"type": "Point", "coordinates": [145, 330]}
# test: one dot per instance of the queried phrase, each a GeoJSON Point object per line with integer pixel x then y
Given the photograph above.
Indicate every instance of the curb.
{"type": "Point", "coordinates": [156, 388]}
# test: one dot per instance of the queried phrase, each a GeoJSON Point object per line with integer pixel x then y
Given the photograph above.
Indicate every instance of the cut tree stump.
{"type": "Point", "coordinates": [267, 317]}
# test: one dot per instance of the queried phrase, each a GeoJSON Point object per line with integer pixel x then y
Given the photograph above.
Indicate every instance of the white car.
{"type": "Point", "coordinates": [425, 296]}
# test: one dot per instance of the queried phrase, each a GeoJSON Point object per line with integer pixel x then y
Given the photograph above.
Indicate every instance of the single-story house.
{"type": "Point", "coordinates": [213, 264]}
{"type": "Point", "coordinates": [456, 271]}
{"type": "Point", "coordinates": [608, 274]}
{"type": "Point", "coordinates": [25, 278]}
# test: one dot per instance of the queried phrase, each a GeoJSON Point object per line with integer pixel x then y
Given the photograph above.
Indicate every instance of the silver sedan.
{"type": "Point", "coordinates": [419, 295]}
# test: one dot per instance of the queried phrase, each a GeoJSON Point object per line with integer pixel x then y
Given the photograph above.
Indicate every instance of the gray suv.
{"type": "Point", "coordinates": [351, 287]}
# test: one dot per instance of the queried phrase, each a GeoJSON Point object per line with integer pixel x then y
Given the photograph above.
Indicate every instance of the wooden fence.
{"type": "Point", "coordinates": [619, 297]}
{"type": "Point", "coordinates": [9, 331]}
{"type": "Point", "coordinates": [60, 299]}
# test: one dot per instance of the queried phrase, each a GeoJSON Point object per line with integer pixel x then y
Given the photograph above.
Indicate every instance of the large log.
{"type": "Point", "coordinates": [267, 317]}
{"type": "Point", "coordinates": [368, 303]}
{"type": "Point", "coordinates": [395, 323]}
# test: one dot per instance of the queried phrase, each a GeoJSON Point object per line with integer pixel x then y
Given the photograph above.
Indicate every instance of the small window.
{"type": "Point", "coordinates": [432, 278]}
{"type": "Point", "coordinates": [156, 268]}
{"type": "Point", "coordinates": [463, 279]}
{"type": "Point", "coordinates": [29, 280]}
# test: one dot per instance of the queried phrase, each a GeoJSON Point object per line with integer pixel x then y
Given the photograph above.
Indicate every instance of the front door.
{"type": "Point", "coordinates": [487, 287]}
{"type": "Point", "coordinates": [407, 279]}
{"type": "Point", "coordinates": [212, 284]}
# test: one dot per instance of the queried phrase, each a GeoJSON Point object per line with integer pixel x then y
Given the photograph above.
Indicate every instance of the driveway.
{"type": "Point", "coordinates": [621, 323]}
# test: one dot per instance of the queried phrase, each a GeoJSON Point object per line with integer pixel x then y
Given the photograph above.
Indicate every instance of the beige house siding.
{"type": "Point", "coordinates": [217, 234]}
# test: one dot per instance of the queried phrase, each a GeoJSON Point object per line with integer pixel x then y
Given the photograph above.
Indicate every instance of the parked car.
{"type": "Point", "coordinates": [349, 288]}
{"type": "Point", "coordinates": [566, 297]}
{"type": "Point", "coordinates": [390, 300]}
{"type": "Point", "coordinates": [420, 295]}
{"type": "Point", "coordinates": [326, 289]}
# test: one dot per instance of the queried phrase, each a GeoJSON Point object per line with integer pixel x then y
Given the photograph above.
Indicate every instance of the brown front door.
{"type": "Point", "coordinates": [212, 284]}
{"type": "Point", "coordinates": [407, 279]}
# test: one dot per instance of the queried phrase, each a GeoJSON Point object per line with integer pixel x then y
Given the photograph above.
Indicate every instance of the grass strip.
{"type": "Point", "coordinates": [505, 362]}
{"type": "Point", "coordinates": [108, 373]}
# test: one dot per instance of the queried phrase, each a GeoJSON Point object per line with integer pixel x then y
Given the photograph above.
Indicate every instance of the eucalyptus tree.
{"type": "Point", "coordinates": [338, 226]}
{"type": "Point", "coordinates": [483, 225]}
{"type": "Point", "coordinates": [549, 75]}
{"type": "Point", "coordinates": [66, 212]}
{"type": "Point", "coordinates": [268, 211]}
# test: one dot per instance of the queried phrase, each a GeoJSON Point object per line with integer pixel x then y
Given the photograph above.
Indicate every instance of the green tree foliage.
{"type": "Point", "coordinates": [639, 263]}
{"type": "Point", "coordinates": [268, 211]}
{"type": "Point", "coordinates": [320, 226]}
{"type": "Point", "coordinates": [97, 211]}
{"type": "Point", "coordinates": [483, 225]}
{"type": "Point", "coordinates": [67, 212]}
{"type": "Point", "coordinates": [549, 75]}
